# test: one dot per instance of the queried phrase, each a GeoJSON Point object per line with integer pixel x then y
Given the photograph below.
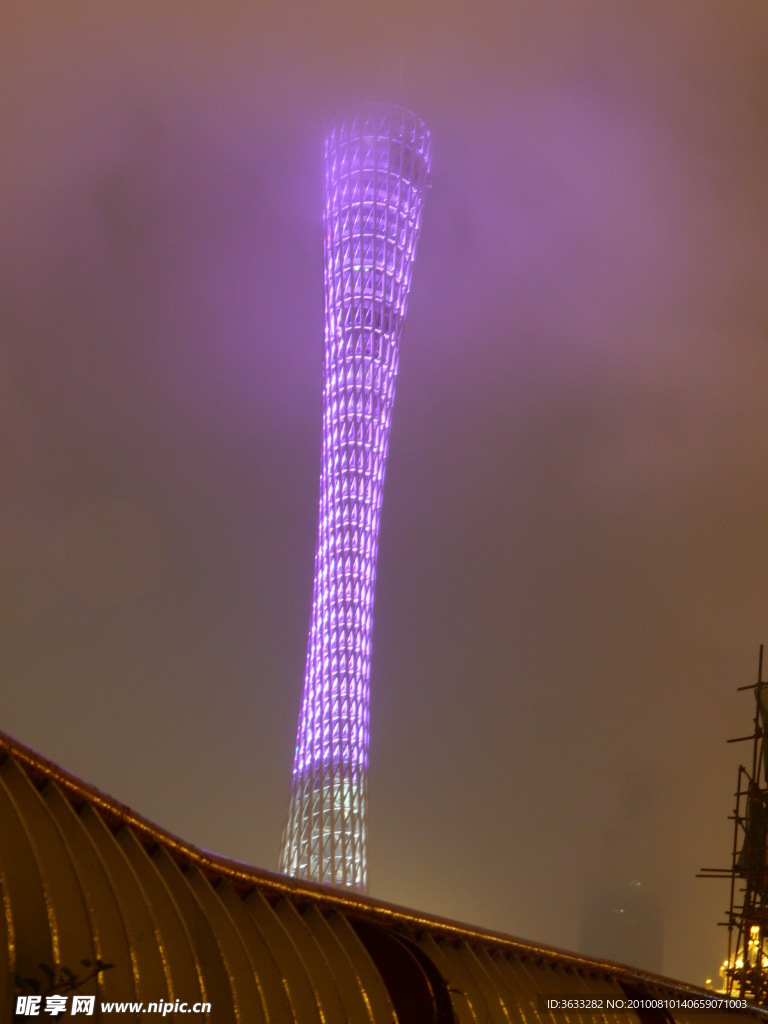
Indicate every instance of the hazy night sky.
{"type": "Point", "coordinates": [573, 564]}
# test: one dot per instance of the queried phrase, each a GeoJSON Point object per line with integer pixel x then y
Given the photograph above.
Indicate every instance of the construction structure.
{"type": "Point", "coordinates": [377, 160]}
{"type": "Point", "coordinates": [745, 969]}
{"type": "Point", "coordinates": [106, 916]}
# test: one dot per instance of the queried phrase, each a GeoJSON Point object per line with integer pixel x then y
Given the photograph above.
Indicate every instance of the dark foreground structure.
{"type": "Point", "coordinates": [98, 902]}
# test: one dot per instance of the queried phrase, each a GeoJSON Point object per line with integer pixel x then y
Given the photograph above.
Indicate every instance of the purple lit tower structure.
{"type": "Point", "coordinates": [376, 166]}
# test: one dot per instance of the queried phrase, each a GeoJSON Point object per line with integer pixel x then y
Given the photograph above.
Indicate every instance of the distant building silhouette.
{"type": "Point", "coordinates": [102, 905]}
{"type": "Point", "coordinates": [625, 922]}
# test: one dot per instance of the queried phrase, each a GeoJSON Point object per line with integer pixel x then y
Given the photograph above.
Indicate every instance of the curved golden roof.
{"type": "Point", "coordinates": [85, 883]}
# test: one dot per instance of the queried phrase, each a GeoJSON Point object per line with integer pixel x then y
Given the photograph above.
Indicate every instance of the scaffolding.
{"type": "Point", "coordinates": [745, 970]}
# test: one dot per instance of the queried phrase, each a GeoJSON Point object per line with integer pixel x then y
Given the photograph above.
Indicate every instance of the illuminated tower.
{"type": "Point", "coordinates": [376, 166]}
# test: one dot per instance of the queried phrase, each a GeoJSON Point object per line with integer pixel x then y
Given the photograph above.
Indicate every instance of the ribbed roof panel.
{"type": "Point", "coordinates": [84, 879]}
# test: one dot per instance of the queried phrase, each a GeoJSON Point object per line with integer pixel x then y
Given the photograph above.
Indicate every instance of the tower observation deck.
{"type": "Point", "coordinates": [377, 160]}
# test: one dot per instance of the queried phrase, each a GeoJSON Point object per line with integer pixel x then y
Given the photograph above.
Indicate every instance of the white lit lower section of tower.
{"type": "Point", "coordinates": [376, 165]}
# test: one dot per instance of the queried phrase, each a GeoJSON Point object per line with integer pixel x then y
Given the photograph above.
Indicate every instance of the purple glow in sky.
{"type": "Point", "coordinates": [376, 164]}
{"type": "Point", "coordinates": [573, 563]}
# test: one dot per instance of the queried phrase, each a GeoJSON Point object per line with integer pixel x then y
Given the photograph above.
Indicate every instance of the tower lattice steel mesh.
{"type": "Point", "coordinates": [376, 166]}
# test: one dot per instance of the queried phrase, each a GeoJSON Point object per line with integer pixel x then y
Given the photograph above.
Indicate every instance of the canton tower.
{"type": "Point", "coordinates": [376, 165]}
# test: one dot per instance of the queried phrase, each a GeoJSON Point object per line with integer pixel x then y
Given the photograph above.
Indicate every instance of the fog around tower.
{"type": "Point", "coordinates": [573, 557]}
